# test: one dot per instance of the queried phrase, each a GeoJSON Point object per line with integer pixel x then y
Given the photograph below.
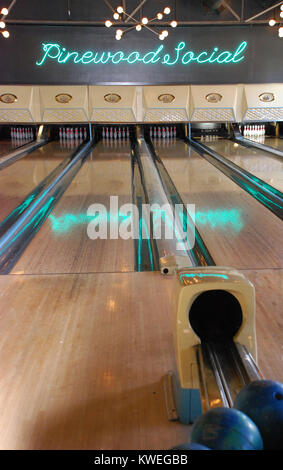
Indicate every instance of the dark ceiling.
{"type": "Point", "coordinates": [100, 10]}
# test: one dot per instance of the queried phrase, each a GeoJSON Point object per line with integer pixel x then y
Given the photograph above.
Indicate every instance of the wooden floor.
{"type": "Point", "coordinates": [274, 142]}
{"type": "Point", "coordinates": [86, 371]}
{"type": "Point", "coordinates": [261, 164]}
{"type": "Point", "coordinates": [6, 146]}
{"type": "Point", "coordinates": [63, 245]}
{"type": "Point", "coordinates": [237, 229]}
{"type": "Point", "coordinates": [86, 342]}
{"type": "Point", "coordinates": [19, 179]}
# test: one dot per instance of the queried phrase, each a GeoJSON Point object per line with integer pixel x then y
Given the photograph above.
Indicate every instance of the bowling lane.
{"type": "Point", "coordinates": [260, 164]}
{"type": "Point", "coordinates": [237, 229]}
{"type": "Point", "coordinates": [20, 178]}
{"type": "Point", "coordinates": [274, 142]}
{"type": "Point", "coordinates": [62, 244]}
{"type": "Point", "coordinates": [7, 146]}
{"type": "Point", "coordinates": [88, 370]}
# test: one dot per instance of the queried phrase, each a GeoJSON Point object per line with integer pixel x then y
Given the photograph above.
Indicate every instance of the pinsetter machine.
{"type": "Point", "coordinates": [214, 341]}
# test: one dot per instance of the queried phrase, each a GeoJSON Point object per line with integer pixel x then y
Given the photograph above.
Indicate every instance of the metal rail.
{"type": "Point", "coordinates": [185, 246]}
{"type": "Point", "coordinates": [21, 152]}
{"type": "Point", "coordinates": [224, 369]}
{"type": "Point", "coordinates": [146, 253]}
{"type": "Point", "coordinates": [270, 197]}
{"type": "Point", "coordinates": [257, 145]}
{"type": "Point", "coordinates": [19, 234]}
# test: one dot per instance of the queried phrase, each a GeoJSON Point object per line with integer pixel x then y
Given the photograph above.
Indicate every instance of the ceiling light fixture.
{"type": "Point", "coordinates": [272, 22]}
{"type": "Point", "coordinates": [4, 11]}
{"type": "Point", "coordinates": [144, 22]}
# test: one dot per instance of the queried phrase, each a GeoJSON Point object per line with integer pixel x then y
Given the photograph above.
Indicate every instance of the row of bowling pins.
{"type": "Point", "coordinates": [253, 130]}
{"type": "Point", "coordinates": [163, 132]}
{"type": "Point", "coordinates": [115, 132]}
{"type": "Point", "coordinates": [21, 133]}
{"type": "Point", "coordinates": [70, 133]}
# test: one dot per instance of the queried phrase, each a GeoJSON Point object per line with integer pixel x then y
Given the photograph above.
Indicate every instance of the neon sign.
{"type": "Point", "coordinates": [181, 55]}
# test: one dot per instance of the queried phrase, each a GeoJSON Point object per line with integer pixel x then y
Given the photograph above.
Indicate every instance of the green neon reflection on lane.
{"type": "Point", "coordinates": [64, 223]}
{"type": "Point", "coordinates": [35, 222]}
{"type": "Point", "coordinates": [203, 275]}
{"type": "Point", "coordinates": [218, 218]}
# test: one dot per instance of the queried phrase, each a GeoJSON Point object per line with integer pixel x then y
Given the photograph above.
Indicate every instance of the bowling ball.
{"type": "Point", "coordinates": [226, 429]}
{"type": "Point", "coordinates": [262, 401]}
{"type": "Point", "coordinates": [190, 446]}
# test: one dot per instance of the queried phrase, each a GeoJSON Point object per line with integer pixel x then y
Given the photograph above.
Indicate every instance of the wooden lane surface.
{"type": "Point", "coordinates": [62, 245]}
{"type": "Point", "coordinates": [83, 358]}
{"type": "Point", "coordinates": [20, 178]}
{"type": "Point", "coordinates": [274, 142]}
{"type": "Point", "coordinates": [237, 229]}
{"type": "Point", "coordinates": [6, 146]}
{"type": "Point", "coordinates": [260, 164]}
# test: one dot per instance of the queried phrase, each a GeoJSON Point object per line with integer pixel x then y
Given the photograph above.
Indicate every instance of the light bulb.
{"type": "Point", "coordinates": [161, 37]}
{"type": "Point", "coordinates": [108, 23]}
{"type": "Point", "coordinates": [120, 9]}
{"type": "Point", "coordinates": [281, 7]}
{"type": "Point", "coordinates": [281, 14]}
{"type": "Point", "coordinates": [116, 16]}
{"type": "Point", "coordinates": [138, 27]}
{"type": "Point", "coordinates": [144, 20]}
{"type": "Point", "coordinates": [167, 10]}
{"type": "Point", "coordinates": [4, 11]}
{"type": "Point", "coordinates": [173, 23]}
{"type": "Point", "coordinates": [165, 33]}
{"type": "Point", "coordinates": [118, 37]}
{"type": "Point", "coordinates": [2, 24]}
{"type": "Point", "coordinates": [272, 22]}
{"type": "Point", "coordinates": [6, 34]}
{"type": "Point", "coordinates": [119, 34]}
{"type": "Point", "coordinates": [159, 16]}
{"type": "Point", "coordinates": [280, 32]}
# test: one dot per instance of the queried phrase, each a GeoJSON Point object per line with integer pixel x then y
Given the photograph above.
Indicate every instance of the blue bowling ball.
{"type": "Point", "coordinates": [226, 429]}
{"type": "Point", "coordinates": [262, 401]}
{"type": "Point", "coordinates": [190, 446]}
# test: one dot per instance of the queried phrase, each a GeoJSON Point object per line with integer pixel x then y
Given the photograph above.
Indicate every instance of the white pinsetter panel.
{"type": "Point", "coordinates": [18, 103]}
{"type": "Point", "coordinates": [214, 103]}
{"type": "Point", "coordinates": [166, 103]}
{"type": "Point", "coordinates": [113, 103]}
{"type": "Point", "coordinates": [63, 103]}
{"type": "Point", "coordinates": [263, 102]}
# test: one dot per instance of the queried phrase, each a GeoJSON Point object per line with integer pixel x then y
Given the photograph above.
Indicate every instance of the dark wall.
{"type": "Point", "coordinates": [262, 59]}
{"type": "Point", "coordinates": [97, 10]}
